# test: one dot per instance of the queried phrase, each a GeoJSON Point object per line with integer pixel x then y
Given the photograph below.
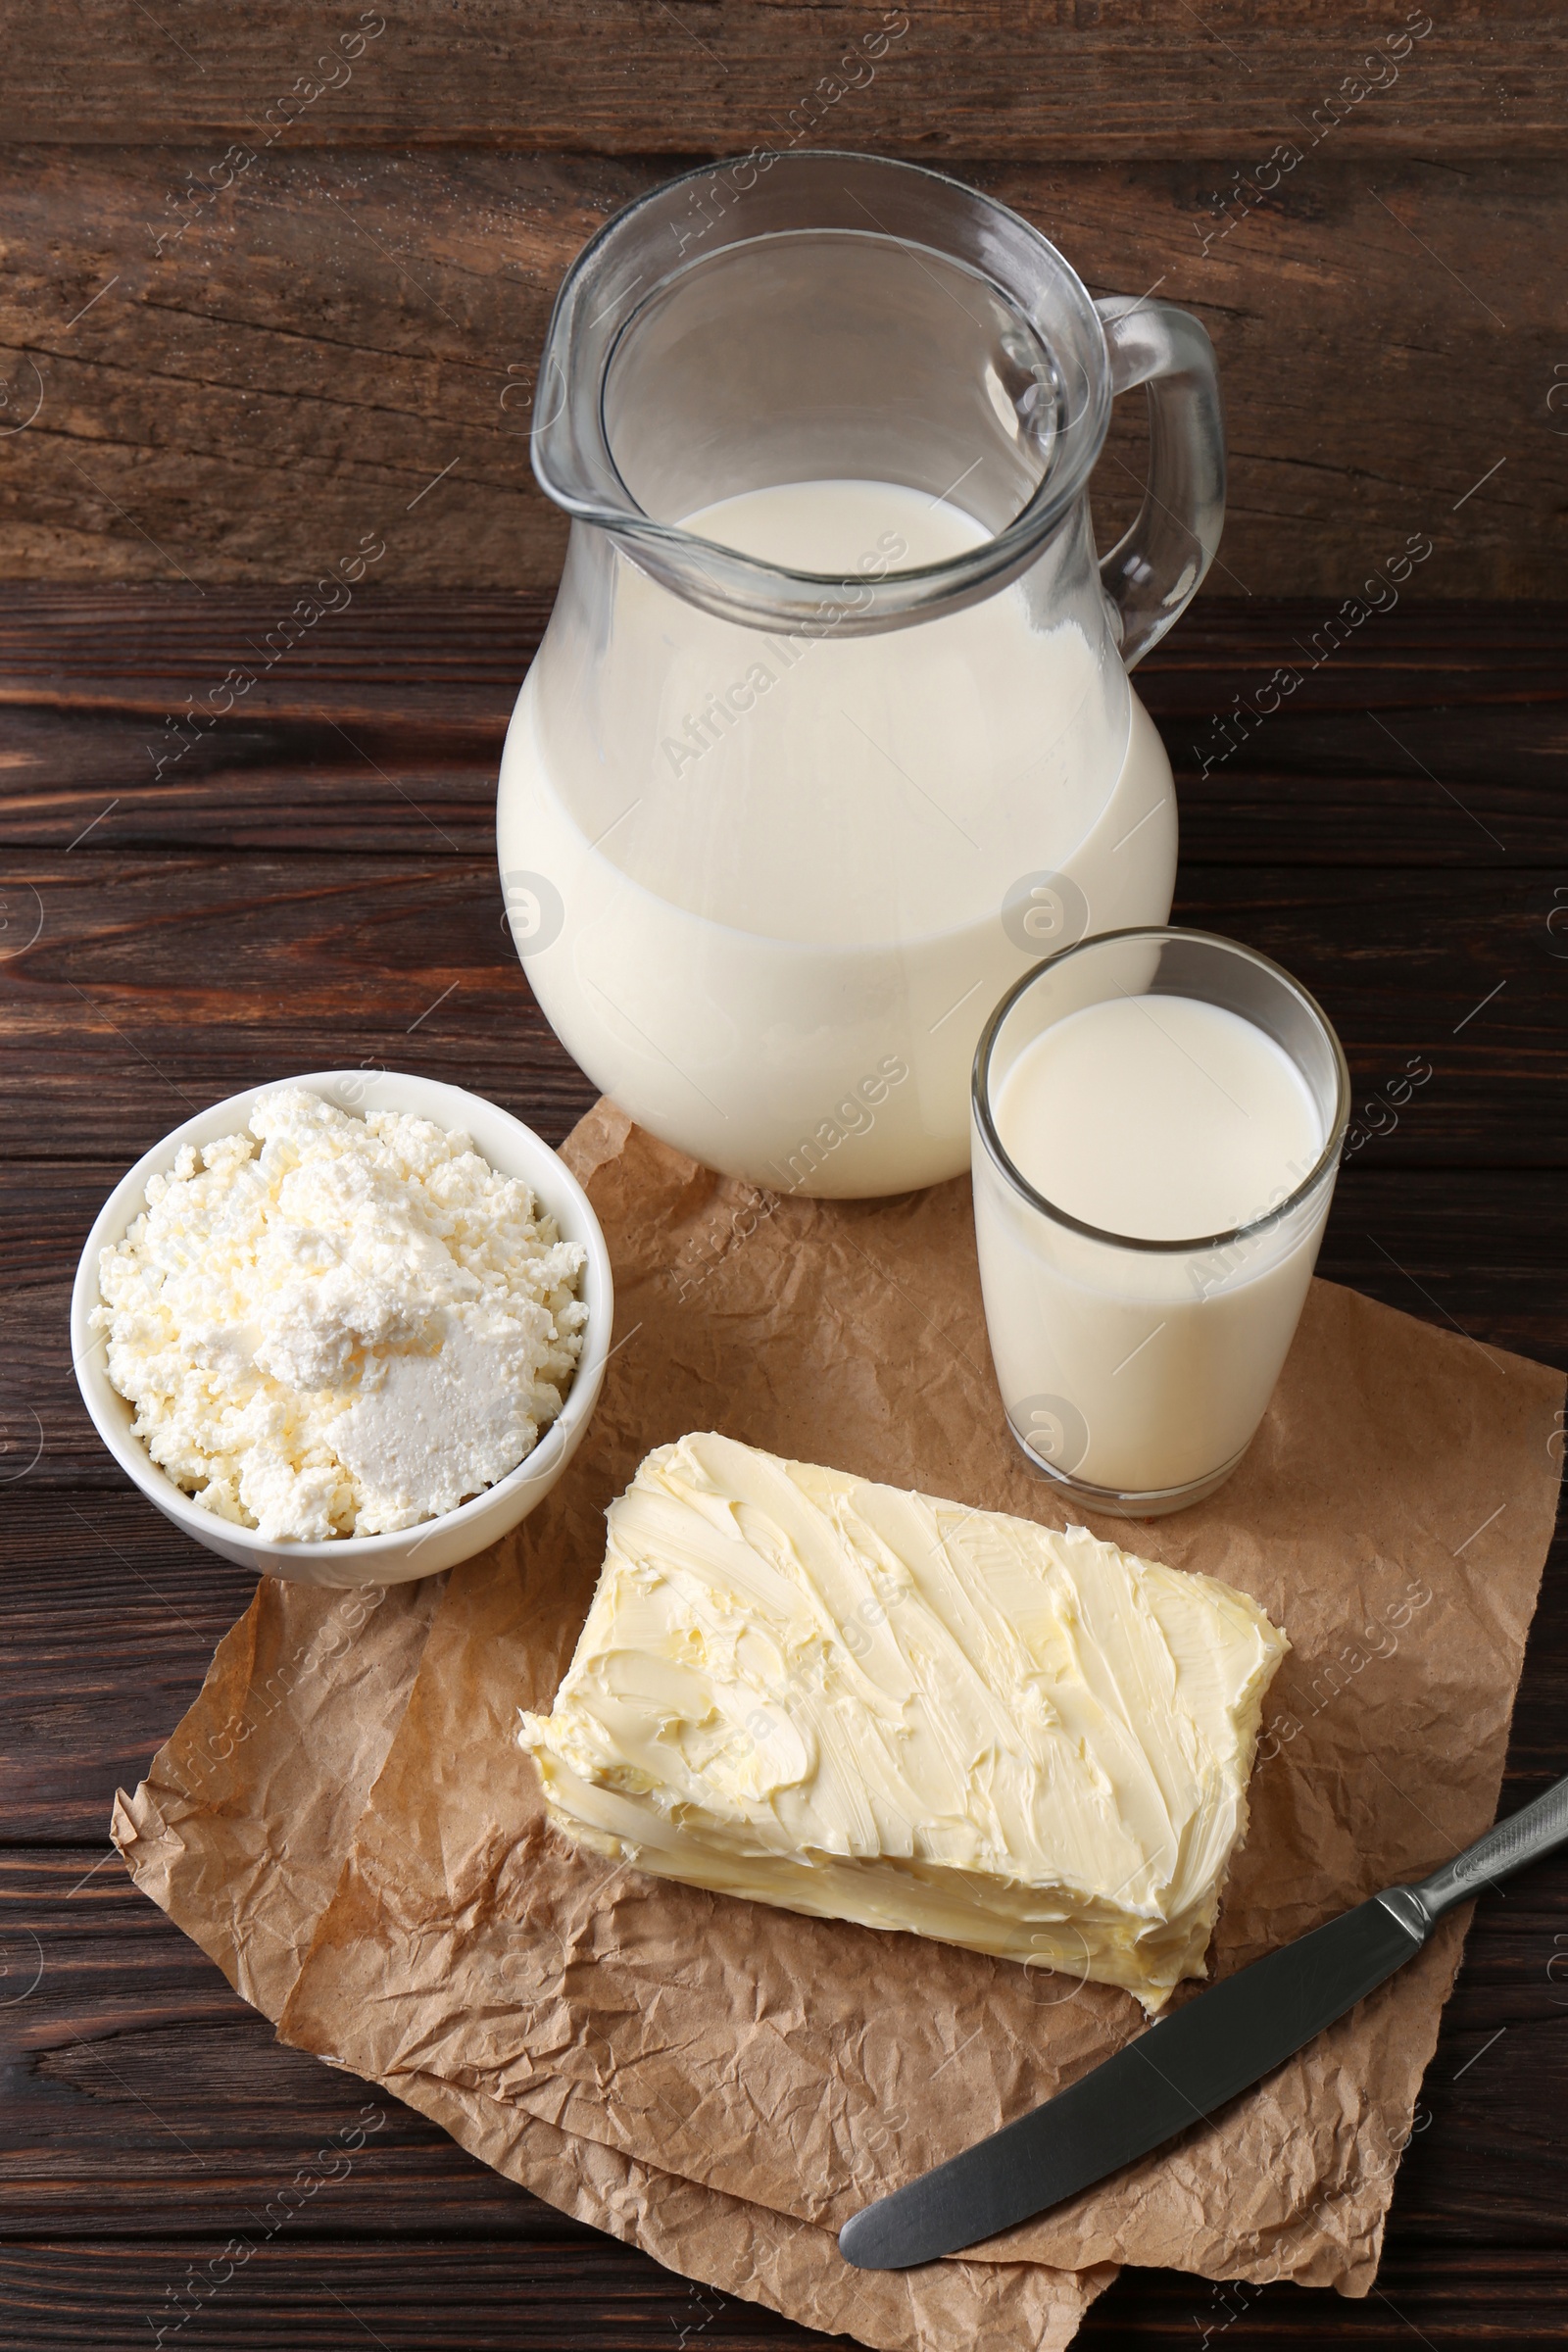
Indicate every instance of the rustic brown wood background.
{"type": "Point", "coordinates": [316, 886]}
{"type": "Point", "coordinates": [241, 324]}
{"type": "Point", "coordinates": [216, 377]}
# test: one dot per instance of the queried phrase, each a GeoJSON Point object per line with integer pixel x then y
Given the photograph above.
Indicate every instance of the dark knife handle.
{"type": "Point", "coordinates": [1525, 1837]}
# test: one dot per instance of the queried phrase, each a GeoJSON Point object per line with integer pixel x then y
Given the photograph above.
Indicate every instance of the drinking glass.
{"type": "Point", "coordinates": [1134, 1373]}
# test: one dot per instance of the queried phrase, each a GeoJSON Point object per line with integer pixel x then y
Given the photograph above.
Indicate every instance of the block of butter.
{"type": "Point", "coordinates": [846, 1700]}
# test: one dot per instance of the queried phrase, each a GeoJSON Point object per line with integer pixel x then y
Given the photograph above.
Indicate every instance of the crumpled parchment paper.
{"type": "Point", "coordinates": [368, 1858]}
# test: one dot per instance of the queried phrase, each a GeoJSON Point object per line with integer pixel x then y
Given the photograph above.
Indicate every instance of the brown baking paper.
{"type": "Point", "coordinates": [239, 1832]}
{"type": "Point", "coordinates": [726, 2083]}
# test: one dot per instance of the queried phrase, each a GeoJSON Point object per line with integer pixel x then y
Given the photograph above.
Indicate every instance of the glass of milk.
{"type": "Point", "coordinates": [1156, 1123]}
{"type": "Point", "coordinates": [831, 734]}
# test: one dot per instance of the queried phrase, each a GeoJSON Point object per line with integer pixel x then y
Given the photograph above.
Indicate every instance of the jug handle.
{"type": "Point", "coordinates": [1152, 573]}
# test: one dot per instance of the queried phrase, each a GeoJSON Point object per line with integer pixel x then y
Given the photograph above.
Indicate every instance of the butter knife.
{"type": "Point", "coordinates": [1189, 2063]}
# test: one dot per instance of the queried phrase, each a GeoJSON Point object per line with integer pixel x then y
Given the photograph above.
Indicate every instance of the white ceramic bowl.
{"type": "Point", "coordinates": [512, 1150]}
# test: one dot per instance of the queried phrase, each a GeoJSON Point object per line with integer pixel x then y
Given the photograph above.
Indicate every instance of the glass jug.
{"type": "Point", "coordinates": [830, 735]}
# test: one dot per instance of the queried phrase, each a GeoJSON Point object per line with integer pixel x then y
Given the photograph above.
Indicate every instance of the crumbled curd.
{"type": "Point", "coordinates": [333, 1326]}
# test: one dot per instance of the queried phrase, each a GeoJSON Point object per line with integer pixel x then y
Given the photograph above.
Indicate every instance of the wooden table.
{"type": "Point", "coordinates": [315, 885]}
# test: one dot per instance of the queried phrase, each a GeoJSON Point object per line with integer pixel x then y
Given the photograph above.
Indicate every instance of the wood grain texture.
{"type": "Point", "coordinates": [418, 2296]}
{"type": "Point", "coordinates": [304, 890]}
{"type": "Point", "coordinates": [406, 660]}
{"type": "Point", "coordinates": [338, 349]}
{"type": "Point", "coordinates": [160, 2118]}
{"type": "Point", "coordinates": [174, 2085]}
{"type": "Point", "coordinates": [1059, 77]}
{"type": "Point", "coordinates": [180, 981]}
{"type": "Point", "coordinates": [294, 891]}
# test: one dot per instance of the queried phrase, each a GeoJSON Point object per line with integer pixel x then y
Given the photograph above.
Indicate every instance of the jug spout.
{"type": "Point", "coordinates": [847, 318]}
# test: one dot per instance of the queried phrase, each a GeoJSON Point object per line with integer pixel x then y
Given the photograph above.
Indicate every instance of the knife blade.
{"type": "Point", "coordinates": [1187, 2063]}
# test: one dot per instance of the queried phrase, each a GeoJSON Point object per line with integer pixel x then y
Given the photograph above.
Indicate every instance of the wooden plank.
{"type": "Point", "coordinates": [153, 2118]}
{"type": "Point", "coordinates": [112, 1619]}
{"type": "Point", "coordinates": [1096, 76]}
{"type": "Point", "coordinates": [161, 983]}
{"type": "Point", "coordinates": [379, 786]}
{"type": "Point", "coordinates": [318, 361]}
{"type": "Point", "coordinates": [119, 2028]}
{"type": "Point", "coordinates": [175, 979]}
{"type": "Point", "coordinates": [1447, 787]}
{"type": "Point", "coordinates": [444, 670]}
{"type": "Point", "coordinates": [569, 2294]}
{"type": "Point", "coordinates": [175, 2088]}
{"type": "Point", "coordinates": [1418, 742]}
{"type": "Point", "coordinates": [411, 2296]}
{"type": "Point", "coordinates": [1430, 2295]}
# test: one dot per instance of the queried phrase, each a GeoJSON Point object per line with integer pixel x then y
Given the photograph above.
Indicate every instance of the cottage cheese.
{"type": "Point", "coordinates": [333, 1326]}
